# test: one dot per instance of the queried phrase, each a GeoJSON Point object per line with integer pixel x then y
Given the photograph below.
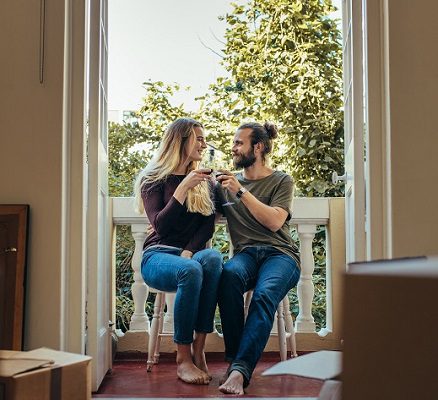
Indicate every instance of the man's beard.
{"type": "Point", "coordinates": [245, 160]}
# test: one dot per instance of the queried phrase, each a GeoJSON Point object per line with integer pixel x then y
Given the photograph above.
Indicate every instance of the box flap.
{"type": "Point", "coordinates": [60, 358]}
{"type": "Point", "coordinates": [10, 366]}
{"type": "Point", "coordinates": [7, 353]}
{"type": "Point", "coordinates": [319, 365]}
{"type": "Point", "coordinates": [403, 267]}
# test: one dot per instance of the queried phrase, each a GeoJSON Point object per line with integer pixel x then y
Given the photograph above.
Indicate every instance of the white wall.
{"type": "Point", "coordinates": [413, 77]}
{"type": "Point", "coordinates": [30, 152]}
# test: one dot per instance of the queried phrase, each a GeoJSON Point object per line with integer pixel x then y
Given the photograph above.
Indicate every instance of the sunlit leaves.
{"type": "Point", "coordinates": [284, 63]}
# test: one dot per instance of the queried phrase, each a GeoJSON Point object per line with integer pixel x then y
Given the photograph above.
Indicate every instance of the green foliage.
{"type": "Point", "coordinates": [284, 63]}
{"type": "Point", "coordinates": [124, 249]}
{"type": "Point", "coordinates": [131, 144]}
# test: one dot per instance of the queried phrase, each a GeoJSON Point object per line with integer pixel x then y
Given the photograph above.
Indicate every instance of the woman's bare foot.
{"type": "Point", "coordinates": [186, 370]}
{"type": "Point", "coordinates": [234, 384]}
{"type": "Point", "coordinates": [201, 363]}
{"type": "Point", "coordinates": [198, 353]}
{"type": "Point", "coordinates": [189, 373]}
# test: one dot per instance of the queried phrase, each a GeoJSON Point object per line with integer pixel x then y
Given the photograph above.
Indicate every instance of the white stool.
{"type": "Point", "coordinates": [156, 331]}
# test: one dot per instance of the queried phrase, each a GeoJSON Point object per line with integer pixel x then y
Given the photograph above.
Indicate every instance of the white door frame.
{"type": "Point", "coordinates": [98, 210]}
{"type": "Point", "coordinates": [352, 45]}
{"type": "Point", "coordinates": [73, 231]}
{"type": "Point", "coordinates": [377, 103]}
{"type": "Point", "coordinates": [79, 243]}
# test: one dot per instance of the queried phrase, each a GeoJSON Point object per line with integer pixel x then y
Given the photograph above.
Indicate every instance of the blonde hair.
{"type": "Point", "coordinates": [179, 136]}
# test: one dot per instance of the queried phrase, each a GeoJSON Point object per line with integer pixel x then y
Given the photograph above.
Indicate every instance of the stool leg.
{"type": "Point", "coordinates": [290, 327]}
{"type": "Point", "coordinates": [160, 329]}
{"type": "Point", "coordinates": [153, 334]}
{"type": "Point", "coordinates": [282, 344]}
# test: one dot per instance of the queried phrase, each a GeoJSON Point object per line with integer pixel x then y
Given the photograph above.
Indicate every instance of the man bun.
{"type": "Point", "coordinates": [271, 129]}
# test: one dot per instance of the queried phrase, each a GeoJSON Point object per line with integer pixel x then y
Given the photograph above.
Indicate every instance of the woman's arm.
{"type": "Point", "coordinates": [161, 215]}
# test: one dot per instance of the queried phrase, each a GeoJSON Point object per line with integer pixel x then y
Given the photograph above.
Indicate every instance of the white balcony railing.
{"type": "Point", "coordinates": [309, 213]}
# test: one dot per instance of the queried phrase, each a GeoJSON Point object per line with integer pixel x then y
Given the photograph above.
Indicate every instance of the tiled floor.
{"type": "Point", "coordinates": [129, 379]}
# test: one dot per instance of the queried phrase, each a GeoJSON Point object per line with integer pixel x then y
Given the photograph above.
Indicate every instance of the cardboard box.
{"type": "Point", "coordinates": [323, 365]}
{"type": "Point", "coordinates": [44, 374]}
{"type": "Point", "coordinates": [390, 325]}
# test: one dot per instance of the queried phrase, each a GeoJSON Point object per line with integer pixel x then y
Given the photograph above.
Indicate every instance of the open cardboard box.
{"type": "Point", "coordinates": [44, 374]}
{"type": "Point", "coordinates": [390, 325]}
{"type": "Point", "coordinates": [324, 365]}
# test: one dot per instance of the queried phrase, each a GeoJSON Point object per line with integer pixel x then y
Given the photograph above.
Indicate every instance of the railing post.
{"type": "Point", "coordinates": [139, 289]}
{"type": "Point", "coordinates": [305, 288]}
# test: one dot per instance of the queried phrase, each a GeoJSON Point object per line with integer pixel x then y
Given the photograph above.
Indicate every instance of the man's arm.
{"type": "Point", "coordinates": [271, 217]}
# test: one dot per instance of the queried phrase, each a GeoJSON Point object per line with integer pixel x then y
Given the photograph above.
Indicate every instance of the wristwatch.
{"type": "Point", "coordinates": [240, 192]}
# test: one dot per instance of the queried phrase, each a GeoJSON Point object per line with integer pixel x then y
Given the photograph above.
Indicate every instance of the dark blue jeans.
{"type": "Point", "coordinates": [195, 282]}
{"type": "Point", "coordinates": [271, 274]}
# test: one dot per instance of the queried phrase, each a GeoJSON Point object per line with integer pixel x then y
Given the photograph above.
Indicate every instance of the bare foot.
{"type": "Point", "coordinates": [234, 384]}
{"type": "Point", "coordinates": [201, 363]}
{"type": "Point", "coordinates": [189, 373]}
{"type": "Point", "coordinates": [225, 376]}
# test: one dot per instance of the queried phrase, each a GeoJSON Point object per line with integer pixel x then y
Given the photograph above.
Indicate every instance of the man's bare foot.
{"type": "Point", "coordinates": [189, 373]}
{"type": "Point", "coordinates": [234, 384]}
{"type": "Point", "coordinates": [225, 376]}
{"type": "Point", "coordinates": [201, 363]}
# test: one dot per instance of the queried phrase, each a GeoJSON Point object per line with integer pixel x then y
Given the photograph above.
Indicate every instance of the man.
{"type": "Point", "coordinates": [256, 204]}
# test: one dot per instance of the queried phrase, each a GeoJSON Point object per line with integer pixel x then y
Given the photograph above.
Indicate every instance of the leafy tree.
{"type": "Point", "coordinates": [132, 143]}
{"type": "Point", "coordinates": [284, 63]}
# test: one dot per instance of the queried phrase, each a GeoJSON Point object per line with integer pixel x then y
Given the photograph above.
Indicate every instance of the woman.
{"type": "Point", "coordinates": [176, 198]}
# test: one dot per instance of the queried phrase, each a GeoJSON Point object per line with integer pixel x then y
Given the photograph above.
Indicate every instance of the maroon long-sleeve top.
{"type": "Point", "coordinates": [172, 223]}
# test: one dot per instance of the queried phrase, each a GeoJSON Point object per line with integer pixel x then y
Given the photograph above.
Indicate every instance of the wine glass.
{"type": "Point", "coordinates": [216, 165]}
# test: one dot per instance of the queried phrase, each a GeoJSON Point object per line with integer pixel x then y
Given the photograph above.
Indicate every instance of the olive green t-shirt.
{"type": "Point", "coordinates": [275, 190]}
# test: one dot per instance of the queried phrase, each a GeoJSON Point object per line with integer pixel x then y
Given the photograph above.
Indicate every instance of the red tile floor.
{"type": "Point", "coordinates": [129, 379]}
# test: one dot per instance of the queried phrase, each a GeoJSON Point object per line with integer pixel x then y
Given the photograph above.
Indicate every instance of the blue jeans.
{"type": "Point", "coordinates": [195, 282]}
{"type": "Point", "coordinates": [271, 274]}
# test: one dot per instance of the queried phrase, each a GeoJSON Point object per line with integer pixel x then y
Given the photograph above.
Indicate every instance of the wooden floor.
{"type": "Point", "coordinates": [129, 379]}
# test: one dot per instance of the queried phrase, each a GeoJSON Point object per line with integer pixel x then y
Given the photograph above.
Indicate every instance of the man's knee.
{"type": "Point", "coordinates": [230, 272]}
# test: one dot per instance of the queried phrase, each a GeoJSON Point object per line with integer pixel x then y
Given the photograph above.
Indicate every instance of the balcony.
{"type": "Point", "coordinates": [308, 215]}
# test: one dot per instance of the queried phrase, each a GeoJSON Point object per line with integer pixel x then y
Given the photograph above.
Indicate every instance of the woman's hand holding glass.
{"type": "Point", "coordinates": [195, 177]}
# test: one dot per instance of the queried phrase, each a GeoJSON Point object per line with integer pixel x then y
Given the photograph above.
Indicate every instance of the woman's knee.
{"type": "Point", "coordinates": [212, 261]}
{"type": "Point", "coordinates": [191, 271]}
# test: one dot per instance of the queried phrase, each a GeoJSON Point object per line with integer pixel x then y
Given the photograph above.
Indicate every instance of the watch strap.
{"type": "Point", "coordinates": [240, 192]}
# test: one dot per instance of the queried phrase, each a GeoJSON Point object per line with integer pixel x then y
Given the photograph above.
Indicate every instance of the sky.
{"type": "Point", "coordinates": [164, 40]}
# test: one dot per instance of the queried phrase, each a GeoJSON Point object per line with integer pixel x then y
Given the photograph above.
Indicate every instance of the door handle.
{"type": "Point", "coordinates": [9, 250]}
{"type": "Point", "coordinates": [338, 178]}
